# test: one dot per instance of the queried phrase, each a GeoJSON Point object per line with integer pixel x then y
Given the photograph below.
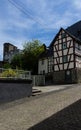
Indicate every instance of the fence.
{"type": "Point", "coordinates": [15, 73]}
{"type": "Point", "coordinates": [38, 80]}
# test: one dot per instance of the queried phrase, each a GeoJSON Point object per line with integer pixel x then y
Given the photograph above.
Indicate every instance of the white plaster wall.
{"type": "Point", "coordinates": [56, 68]}
{"type": "Point", "coordinates": [63, 31]}
{"type": "Point", "coordinates": [78, 62]}
{"type": "Point", "coordinates": [70, 50]}
{"type": "Point", "coordinates": [43, 67]}
{"type": "Point", "coordinates": [59, 36]}
{"type": "Point", "coordinates": [55, 61]}
{"type": "Point", "coordinates": [77, 51]}
{"type": "Point", "coordinates": [57, 47]}
{"type": "Point", "coordinates": [78, 59]}
{"type": "Point", "coordinates": [71, 57]}
{"type": "Point", "coordinates": [60, 41]}
{"type": "Point", "coordinates": [65, 66]}
{"type": "Point", "coordinates": [71, 65]}
{"type": "Point", "coordinates": [71, 44]}
{"type": "Point", "coordinates": [56, 42]}
{"type": "Point", "coordinates": [61, 67]}
{"type": "Point", "coordinates": [69, 38]}
{"type": "Point", "coordinates": [55, 54]}
{"type": "Point", "coordinates": [60, 46]}
{"type": "Point", "coordinates": [60, 59]}
{"type": "Point", "coordinates": [65, 51]}
{"type": "Point", "coordinates": [64, 39]}
{"type": "Point", "coordinates": [60, 53]}
{"type": "Point", "coordinates": [54, 49]}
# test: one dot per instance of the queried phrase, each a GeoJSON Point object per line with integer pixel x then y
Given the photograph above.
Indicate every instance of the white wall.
{"type": "Point", "coordinates": [63, 52]}
{"type": "Point", "coordinates": [78, 62]}
{"type": "Point", "coordinates": [43, 67]}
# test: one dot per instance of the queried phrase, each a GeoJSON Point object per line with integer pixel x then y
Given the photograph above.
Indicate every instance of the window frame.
{"type": "Point", "coordinates": [64, 45]}
{"type": "Point", "coordinates": [65, 58]}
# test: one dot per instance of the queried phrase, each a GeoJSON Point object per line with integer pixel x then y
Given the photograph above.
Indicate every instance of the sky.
{"type": "Point", "coordinates": [27, 20]}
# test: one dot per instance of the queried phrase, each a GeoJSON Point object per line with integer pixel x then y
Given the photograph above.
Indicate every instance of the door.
{"type": "Point", "coordinates": [68, 76]}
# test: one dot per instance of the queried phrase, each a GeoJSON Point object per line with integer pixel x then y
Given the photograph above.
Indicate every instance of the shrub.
{"type": "Point", "coordinates": [8, 73]}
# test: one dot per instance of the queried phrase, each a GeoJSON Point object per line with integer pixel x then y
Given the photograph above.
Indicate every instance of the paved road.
{"type": "Point", "coordinates": [54, 111]}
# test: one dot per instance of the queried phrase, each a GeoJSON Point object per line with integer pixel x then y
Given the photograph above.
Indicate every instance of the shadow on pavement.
{"type": "Point", "coordinates": [67, 119]}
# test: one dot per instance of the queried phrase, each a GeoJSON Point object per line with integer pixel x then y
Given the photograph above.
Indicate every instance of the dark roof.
{"type": "Point", "coordinates": [47, 53]}
{"type": "Point", "coordinates": [75, 30]}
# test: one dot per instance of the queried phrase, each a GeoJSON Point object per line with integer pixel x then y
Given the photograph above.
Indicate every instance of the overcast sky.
{"type": "Point", "coordinates": [24, 20]}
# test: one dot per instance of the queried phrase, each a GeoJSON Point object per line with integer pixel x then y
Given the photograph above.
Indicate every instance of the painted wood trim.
{"type": "Point", "coordinates": [58, 64]}
{"type": "Point", "coordinates": [69, 47]}
{"type": "Point", "coordinates": [69, 62]}
{"type": "Point", "coordinates": [74, 53]}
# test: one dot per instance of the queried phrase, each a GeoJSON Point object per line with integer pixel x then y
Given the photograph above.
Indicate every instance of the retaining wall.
{"type": "Point", "coordinates": [14, 89]}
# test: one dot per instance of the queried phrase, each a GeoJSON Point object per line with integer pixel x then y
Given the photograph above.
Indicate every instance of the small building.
{"type": "Point", "coordinates": [9, 50]}
{"type": "Point", "coordinates": [64, 61]}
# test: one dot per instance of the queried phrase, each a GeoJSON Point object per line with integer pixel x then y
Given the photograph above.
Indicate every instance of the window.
{"type": "Point", "coordinates": [63, 35]}
{"type": "Point", "coordinates": [64, 46]}
{"type": "Point", "coordinates": [42, 62]}
{"type": "Point", "coordinates": [65, 59]}
{"type": "Point", "coordinates": [43, 71]}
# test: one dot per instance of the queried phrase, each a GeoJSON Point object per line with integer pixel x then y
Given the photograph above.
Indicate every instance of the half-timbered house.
{"type": "Point", "coordinates": [64, 63]}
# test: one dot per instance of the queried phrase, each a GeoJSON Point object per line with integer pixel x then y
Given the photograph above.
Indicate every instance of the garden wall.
{"type": "Point", "coordinates": [12, 89]}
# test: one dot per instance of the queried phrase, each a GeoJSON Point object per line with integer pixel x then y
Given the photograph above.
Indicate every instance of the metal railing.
{"type": "Point", "coordinates": [15, 73]}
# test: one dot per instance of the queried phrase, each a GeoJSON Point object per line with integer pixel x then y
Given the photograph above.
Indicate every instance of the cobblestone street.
{"type": "Point", "coordinates": [59, 110]}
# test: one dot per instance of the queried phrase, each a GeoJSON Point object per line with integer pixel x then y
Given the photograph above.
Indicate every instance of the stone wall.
{"type": "Point", "coordinates": [49, 79]}
{"type": "Point", "coordinates": [59, 77]}
{"type": "Point", "coordinates": [78, 71]}
{"type": "Point", "coordinates": [14, 89]}
{"type": "Point", "coordinates": [74, 75]}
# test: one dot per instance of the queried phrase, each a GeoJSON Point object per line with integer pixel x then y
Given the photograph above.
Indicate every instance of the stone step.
{"type": "Point", "coordinates": [36, 92]}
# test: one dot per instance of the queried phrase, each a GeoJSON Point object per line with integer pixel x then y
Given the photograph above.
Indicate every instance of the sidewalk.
{"type": "Point", "coordinates": [51, 88]}
{"type": "Point", "coordinates": [55, 111]}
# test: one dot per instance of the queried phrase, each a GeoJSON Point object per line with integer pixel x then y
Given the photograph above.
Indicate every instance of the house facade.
{"type": "Point", "coordinates": [64, 65]}
{"type": "Point", "coordinates": [45, 62]}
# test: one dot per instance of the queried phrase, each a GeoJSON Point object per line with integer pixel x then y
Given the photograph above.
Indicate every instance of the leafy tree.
{"type": "Point", "coordinates": [31, 52]}
{"type": "Point", "coordinates": [16, 61]}
{"type": "Point", "coordinates": [28, 59]}
{"type": "Point", "coordinates": [6, 65]}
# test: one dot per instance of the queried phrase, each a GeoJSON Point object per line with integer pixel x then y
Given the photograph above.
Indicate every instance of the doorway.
{"type": "Point", "coordinates": [68, 76]}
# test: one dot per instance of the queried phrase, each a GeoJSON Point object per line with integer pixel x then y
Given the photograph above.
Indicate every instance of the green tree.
{"type": "Point", "coordinates": [28, 59]}
{"type": "Point", "coordinates": [6, 66]}
{"type": "Point", "coordinates": [16, 61]}
{"type": "Point", "coordinates": [31, 52]}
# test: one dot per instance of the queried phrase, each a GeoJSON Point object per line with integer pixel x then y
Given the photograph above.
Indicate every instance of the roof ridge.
{"type": "Point", "coordinates": [73, 24]}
